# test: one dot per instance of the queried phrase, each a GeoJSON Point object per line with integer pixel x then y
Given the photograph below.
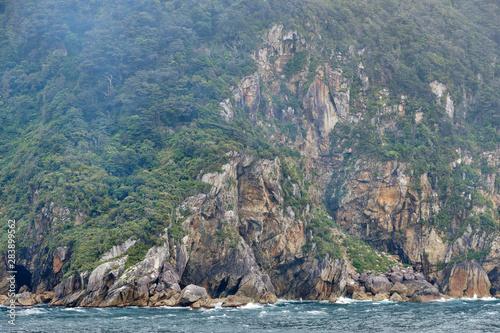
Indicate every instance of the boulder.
{"type": "Point", "coordinates": [191, 294]}
{"type": "Point", "coordinates": [352, 287]}
{"type": "Point", "coordinates": [399, 288]}
{"type": "Point", "coordinates": [45, 297]}
{"type": "Point", "coordinates": [363, 278]}
{"type": "Point", "coordinates": [202, 303]}
{"type": "Point", "coordinates": [234, 301]}
{"type": "Point", "coordinates": [409, 276]}
{"type": "Point", "coordinates": [419, 276]}
{"type": "Point", "coordinates": [425, 295]}
{"type": "Point", "coordinates": [395, 297]}
{"type": "Point", "coordinates": [359, 295]}
{"type": "Point", "coordinates": [25, 299]}
{"type": "Point", "coordinates": [381, 296]}
{"type": "Point", "coordinates": [395, 277]}
{"type": "Point", "coordinates": [421, 291]}
{"type": "Point", "coordinates": [378, 284]}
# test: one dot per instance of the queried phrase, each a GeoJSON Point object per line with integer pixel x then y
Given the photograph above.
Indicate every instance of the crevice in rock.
{"type": "Point", "coordinates": [23, 277]}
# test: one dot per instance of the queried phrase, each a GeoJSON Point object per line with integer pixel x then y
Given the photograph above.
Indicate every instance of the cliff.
{"type": "Point", "coordinates": [312, 174]}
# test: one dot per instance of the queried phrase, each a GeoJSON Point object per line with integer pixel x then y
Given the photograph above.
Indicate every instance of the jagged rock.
{"type": "Point", "coordinates": [234, 301]}
{"type": "Point", "coordinates": [466, 279]}
{"type": "Point", "coordinates": [352, 287]}
{"type": "Point", "coordinates": [203, 303]}
{"type": "Point", "coordinates": [425, 295]}
{"type": "Point", "coordinates": [381, 296]}
{"type": "Point", "coordinates": [359, 295]}
{"type": "Point", "coordinates": [395, 277]}
{"type": "Point", "coordinates": [400, 289]}
{"type": "Point", "coordinates": [419, 277]}
{"type": "Point", "coordinates": [192, 294]}
{"type": "Point", "coordinates": [25, 299]}
{"type": "Point", "coordinates": [363, 278]}
{"type": "Point", "coordinates": [409, 276]}
{"type": "Point", "coordinates": [395, 297]}
{"type": "Point", "coordinates": [45, 297]}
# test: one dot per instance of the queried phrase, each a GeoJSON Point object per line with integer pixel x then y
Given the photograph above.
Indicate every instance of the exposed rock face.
{"type": "Point", "coordinates": [318, 101]}
{"type": "Point", "coordinates": [439, 90]}
{"type": "Point", "coordinates": [248, 94]}
{"type": "Point", "coordinates": [118, 250]}
{"type": "Point", "coordinates": [466, 279]}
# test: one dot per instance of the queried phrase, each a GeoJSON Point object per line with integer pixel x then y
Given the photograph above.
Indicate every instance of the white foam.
{"type": "Point", "coordinates": [475, 298]}
{"type": "Point", "coordinates": [252, 306]}
{"type": "Point", "coordinates": [315, 312]}
{"type": "Point", "coordinates": [74, 309]}
{"type": "Point", "coordinates": [221, 316]}
{"type": "Point", "coordinates": [262, 313]}
{"type": "Point", "coordinates": [31, 311]}
{"type": "Point", "coordinates": [344, 300]}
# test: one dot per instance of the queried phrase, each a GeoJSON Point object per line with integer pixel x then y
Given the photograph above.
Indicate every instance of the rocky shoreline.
{"type": "Point", "coordinates": [400, 284]}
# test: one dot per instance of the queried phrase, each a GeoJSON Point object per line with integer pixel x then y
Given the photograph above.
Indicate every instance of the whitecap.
{"type": "Point", "coordinates": [252, 306]}
{"type": "Point", "coordinates": [31, 311]}
{"type": "Point", "coordinates": [315, 312]}
{"type": "Point", "coordinates": [344, 300]}
{"type": "Point", "coordinates": [74, 309]}
{"type": "Point", "coordinates": [262, 313]}
{"type": "Point", "coordinates": [475, 298]}
{"type": "Point", "coordinates": [221, 316]}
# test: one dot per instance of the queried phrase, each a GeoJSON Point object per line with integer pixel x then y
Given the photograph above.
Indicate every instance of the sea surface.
{"type": "Point", "coordinates": [463, 315]}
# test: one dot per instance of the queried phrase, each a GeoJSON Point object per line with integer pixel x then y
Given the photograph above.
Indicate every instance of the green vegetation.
{"type": "Point", "coordinates": [326, 243]}
{"type": "Point", "coordinates": [364, 258]}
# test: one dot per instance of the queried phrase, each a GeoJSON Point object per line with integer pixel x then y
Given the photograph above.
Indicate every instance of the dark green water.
{"type": "Point", "coordinates": [449, 316]}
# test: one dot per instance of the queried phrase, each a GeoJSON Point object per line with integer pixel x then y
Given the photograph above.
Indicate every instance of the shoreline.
{"type": "Point", "coordinates": [216, 303]}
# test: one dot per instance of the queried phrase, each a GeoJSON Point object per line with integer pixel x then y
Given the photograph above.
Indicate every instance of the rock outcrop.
{"type": "Point", "coordinates": [466, 279]}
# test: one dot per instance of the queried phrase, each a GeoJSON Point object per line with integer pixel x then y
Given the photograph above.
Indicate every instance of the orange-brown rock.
{"type": "Point", "coordinates": [466, 279]}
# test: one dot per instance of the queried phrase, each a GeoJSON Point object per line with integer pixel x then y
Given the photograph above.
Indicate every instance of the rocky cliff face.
{"type": "Point", "coordinates": [241, 238]}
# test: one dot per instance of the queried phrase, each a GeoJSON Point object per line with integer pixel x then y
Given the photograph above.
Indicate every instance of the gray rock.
{"type": "Point", "coordinates": [395, 277]}
{"type": "Point", "coordinates": [378, 284]}
{"type": "Point", "coordinates": [192, 294]}
{"type": "Point", "coordinates": [396, 298]}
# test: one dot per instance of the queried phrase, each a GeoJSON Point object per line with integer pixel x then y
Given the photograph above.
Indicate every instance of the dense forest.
{"type": "Point", "coordinates": [110, 110]}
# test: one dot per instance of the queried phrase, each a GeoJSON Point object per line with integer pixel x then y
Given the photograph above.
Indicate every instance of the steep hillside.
{"type": "Point", "coordinates": [267, 149]}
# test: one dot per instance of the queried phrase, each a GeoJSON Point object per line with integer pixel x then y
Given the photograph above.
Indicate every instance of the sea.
{"type": "Point", "coordinates": [455, 315]}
